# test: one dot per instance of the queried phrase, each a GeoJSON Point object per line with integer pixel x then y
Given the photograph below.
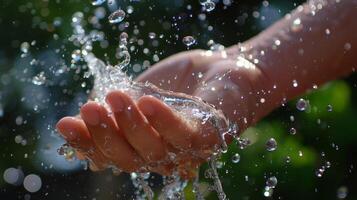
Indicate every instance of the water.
{"type": "Point", "coordinates": [13, 176]}
{"type": "Point", "coordinates": [302, 104]}
{"type": "Point", "coordinates": [116, 17]}
{"type": "Point", "coordinates": [271, 182]}
{"type": "Point", "coordinates": [292, 131]}
{"type": "Point", "coordinates": [236, 158]}
{"type": "Point", "coordinates": [32, 183]}
{"type": "Point", "coordinates": [208, 5]}
{"type": "Point", "coordinates": [97, 2]}
{"type": "Point", "coordinates": [188, 41]}
{"type": "Point", "coordinates": [111, 77]}
{"type": "Point", "coordinates": [271, 144]}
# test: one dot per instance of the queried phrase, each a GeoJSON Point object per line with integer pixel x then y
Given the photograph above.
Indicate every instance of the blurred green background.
{"type": "Point", "coordinates": [28, 112]}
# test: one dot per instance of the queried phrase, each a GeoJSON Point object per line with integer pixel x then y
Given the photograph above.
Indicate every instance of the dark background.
{"type": "Point", "coordinates": [32, 110]}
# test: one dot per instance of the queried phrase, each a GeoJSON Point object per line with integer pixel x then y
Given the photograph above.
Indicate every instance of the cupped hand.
{"type": "Point", "coordinates": [141, 136]}
{"type": "Point", "coordinates": [147, 135]}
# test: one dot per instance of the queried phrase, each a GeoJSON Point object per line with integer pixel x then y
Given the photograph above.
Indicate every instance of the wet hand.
{"type": "Point", "coordinates": [141, 136]}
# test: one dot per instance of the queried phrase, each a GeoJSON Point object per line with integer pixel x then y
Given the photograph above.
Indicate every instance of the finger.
{"type": "Point", "coordinates": [186, 135]}
{"type": "Point", "coordinates": [145, 140]}
{"type": "Point", "coordinates": [108, 139]}
{"type": "Point", "coordinates": [76, 133]}
{"type": "Point", "coordinates": [170, 126]}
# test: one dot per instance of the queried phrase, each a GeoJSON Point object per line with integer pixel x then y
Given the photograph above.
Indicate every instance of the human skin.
{"type": "Point", "coordinates": [314, 44]}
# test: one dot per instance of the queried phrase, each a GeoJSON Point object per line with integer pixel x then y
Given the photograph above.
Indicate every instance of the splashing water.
{"type": "Point", "coordinates": [108, 78]}
{"type": "Point", "coordinates": [116, 17]}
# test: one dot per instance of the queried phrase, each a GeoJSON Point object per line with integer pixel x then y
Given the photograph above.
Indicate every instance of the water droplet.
{"type": "Point", "coordinates": [302, 104]}
{"type": "Point", "coordinates": [243, 142]}
{"type": "Point", "coordinates": [39, 79]}
{"type": "Point", "coordinates": [320, 172]}
{"type": "Point", "coordinates": [18, 120]}
{"type": "Point", "coordinates": [347, 46]}
{"type": "Point", "coordinates": [272, 182]}
{"type": "Point", "coordinates": [13, 176]}
{"type": "Point", "coordinates": [152, 35]}
{"type": "Point", "coordinates": [277, 42]}
{"type": "Point", "coordinates": [209, 6]}
{"type": "Point", "coordinates": [18, 139]}
{"type": "Point", "coordinates": [292, 131]}
{"type": "Point", "coordinates": [25, 47]}
{"type": "Point", "coordinates": [296, 26]}
{"type": "Point", "coordinates": [292, 118]}
{"type": "Point", "coordinates": [33, 62]}
{"type": "Point", "coordinates": [329, 108]}
{"type": "Point", "coordinates": [116, 16]}
{"type": "Point", "coordinates": [76, 56]}
{"type": "Point", "coordinates": [188, 41]}
{"type": "Point", "coordinates": [295, 83]}
{"type": "Point", "coordinates": [236, 158]}
{"type": "Point", "coordinates": [327, 31]}
{"type": "Point", "coordinates": [268, 192]}
{"type": "Point", "coordinates": [342, 192]}
{"type": "Point", "coordinates": [328, 164]}
{"type": "Point", "coordinates": [271, 144]}
{"type": "Point", "coordinates": [300, 153]}
{"type": "Point", "coordinates": [97, 2]}
{"type": "Point", "coordinates": [219, 164]}
{"type": "Point", "coordinates": [32, 183]}
{"type": "Point", "coordinates": [67, 151]}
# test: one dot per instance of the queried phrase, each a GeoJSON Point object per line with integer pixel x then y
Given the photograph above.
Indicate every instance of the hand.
{"type": "Point", "coordinates": [147, 137]}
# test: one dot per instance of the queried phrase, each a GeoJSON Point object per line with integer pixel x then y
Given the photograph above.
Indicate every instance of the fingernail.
{"type": "Point", "coordinates": [115, 102]}
{"type": "Point", "coordinates": [91, 116]}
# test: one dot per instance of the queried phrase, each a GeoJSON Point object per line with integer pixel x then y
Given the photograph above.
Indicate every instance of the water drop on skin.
{"type": "Point", "coordinates": [295, 83]}
{"type": "Point", "coordinates": [188, 41]}
{"type": "Point", "coordinates": [116, 16]}
{"type": "Point", "coordinates": [271, 144]}
{"type": "Point", "coordinates": [296, 26]}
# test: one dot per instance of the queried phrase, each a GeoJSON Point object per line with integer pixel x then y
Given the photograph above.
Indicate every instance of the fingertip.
{"type": "Point", "coordinates": [115, 100]}
{"type": "Point", "coordinates": [67, 127]}
{"type": "Point", "coordinates": [90, 113]}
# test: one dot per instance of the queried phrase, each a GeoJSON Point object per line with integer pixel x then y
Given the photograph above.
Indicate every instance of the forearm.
{"type": "Point", "coordinates": [295, 57]}
{"type": "Point", "coordinates": [296, 54]}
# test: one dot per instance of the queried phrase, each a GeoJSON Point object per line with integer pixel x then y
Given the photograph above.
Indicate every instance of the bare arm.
{"type": "Point", "coordinates": [314, 44]}
{"type": "Point", "coordinates": [246, 82]}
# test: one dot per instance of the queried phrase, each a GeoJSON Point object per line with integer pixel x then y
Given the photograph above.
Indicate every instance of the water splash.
{"type": "Point", "coordinates": [111, 77]}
